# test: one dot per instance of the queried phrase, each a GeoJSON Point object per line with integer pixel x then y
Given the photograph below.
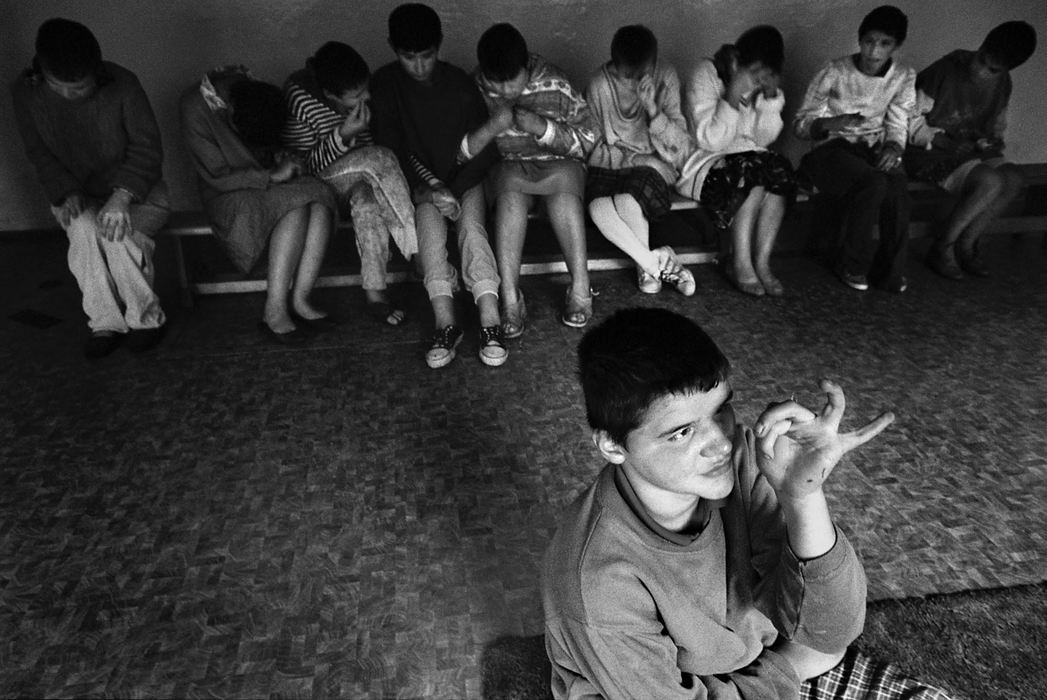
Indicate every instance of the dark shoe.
{"type": "Point", "coordinates": [754, 289]}
{"type": "Point", "coordinates": [441, 352]}
{"type": "Point", "coordinates": [896, 286]}
{"type": "Point", "coordinates": [143, 339]}
{"type": "Point", "coordinates": [943, 261]}
{"type": "Point", "coordinates": [971, 262]}
{"type": "Point", "coordinates": [100, 344]}
{"type": "Point", "coordinates": [295, 337]}
{"type": "Point", "coordinates": [858, 282]}
{"type": "Point", "coordinates": [492, 346]}
{"type": "Point", "coordinates": [324, 324]}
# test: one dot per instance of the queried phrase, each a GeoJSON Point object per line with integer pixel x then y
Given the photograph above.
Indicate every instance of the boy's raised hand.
{"type": "Point", "coordinates": [529, 121]}
{"type": "Point", "coordinates": [647, 92]}
{"type": "Point", "coordinates": [356, 121]}
{"type": "Point", "coordinates": [797, 449]}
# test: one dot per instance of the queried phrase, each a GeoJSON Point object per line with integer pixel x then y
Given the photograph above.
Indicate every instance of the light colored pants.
{"type": "Point", "coordinates": [115, 277]}
{"type": "Point", "coordinates": [372, 236]}
{"type": "Point", "coordinates": [479, 271]}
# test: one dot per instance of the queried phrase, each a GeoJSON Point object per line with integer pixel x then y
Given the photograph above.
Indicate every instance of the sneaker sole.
{"type": "Point", "coordinates": [445, 360]}
{"type": "Point", "coordinates": [493, 361]}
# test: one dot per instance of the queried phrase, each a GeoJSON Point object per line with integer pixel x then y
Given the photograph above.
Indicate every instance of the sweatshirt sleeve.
{"type": "Point", "coordinates": [815, 103]}
{"type": "Point", "coordinates": [819, 602]}
{"type": "Point", "coordinates": [306, 131]}
{"type": "Point", "coordinates": [604, 662]}
{"type": "Point", "coordinates": [713, 121]}
{"type": "Point", "coordinates": [668, 129]}
{"type": "Point", "coordinates": [211, 164]}
{"type": "Point", "coordinates": [142, 166]}
{"type": "Point", "coordinates": [899, 109]}
{"type": "Point", "coordinates": [57, 181]}
{"type": "Point", "coordinates": [570, 133]}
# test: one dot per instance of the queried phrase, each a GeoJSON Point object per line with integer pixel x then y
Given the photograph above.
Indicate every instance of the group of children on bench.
{"type": "Point", "coordinates": [421, 147]}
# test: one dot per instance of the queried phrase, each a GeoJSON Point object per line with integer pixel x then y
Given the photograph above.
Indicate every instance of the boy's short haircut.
{"type": "Point", "coordinates": [258, 112]}
{"type": "Point", "coordinates": [502, 52]}
{"type": "Point", "coordinates": [1011, 43]}
{"type": "Point", "coordinates": [338, 67]}
{"type": "Point", "coordinates": [887, 19]}
{"type": "Point", "coordinates": [633, 46]}
{"type": "Point", "coordinates": [763, 44]}
{"type": "Point", "coordinates": [67, 50]}
{"type": "Point", "coordinates": [638, 356]}
{"type": "Point", "coordinates": [415, 27]}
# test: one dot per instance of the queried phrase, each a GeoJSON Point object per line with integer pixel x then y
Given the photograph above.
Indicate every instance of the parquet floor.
{"type": "Point", "coordinates": [229, 518]}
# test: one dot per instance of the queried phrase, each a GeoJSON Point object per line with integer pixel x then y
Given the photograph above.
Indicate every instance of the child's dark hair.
{"type": "Point", "coordinates": [638, 356]}
{"type": "Point", "coordinates": [414, 27]}
{"type": "Point", "coordinates": [338, 67]}
{"type": "Point", "coordinates": [633, 46]}
{"type": "Point", "coordinates": [67, 50]}
{"type": "Point", "coordinates": [502, 52]}
{"type": "Point", "coordinates": [761, 44]}
{"type": "Point", "coordinates": [1011, 43]}
{"type": "Point", "coordinates": [258, 112]}
{"type": "Point", "coordinates": [887, 19]}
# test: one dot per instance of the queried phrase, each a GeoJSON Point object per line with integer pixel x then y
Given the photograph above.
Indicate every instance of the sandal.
{"type": "Point", "coordinates": [515, 317]}
{"type": "Point", "coordinates": [384, 312]}
{"type": "Point", "coordinates": [577, 310]}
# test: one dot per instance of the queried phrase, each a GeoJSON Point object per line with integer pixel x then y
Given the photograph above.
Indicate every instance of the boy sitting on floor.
{"type": "Point", "coordinates": [703, 561]}
{"type": "Point", "coordinates": [957, 141]}
{"type": "Point", "coordinates": [91, 135]}
{"type": "Point", "coordinates": [546, 134]}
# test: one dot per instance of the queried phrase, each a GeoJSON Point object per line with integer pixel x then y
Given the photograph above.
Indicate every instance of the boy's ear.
{"type": "Point", "coordinates": [609, 448]}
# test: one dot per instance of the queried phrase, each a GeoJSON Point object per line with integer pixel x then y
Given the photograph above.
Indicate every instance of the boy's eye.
{"type": "Point", "coordinates": [681, 434]}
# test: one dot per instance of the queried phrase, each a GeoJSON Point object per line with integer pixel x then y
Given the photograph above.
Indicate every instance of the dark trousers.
{"type": "Point", "coordinates": [848, 172]}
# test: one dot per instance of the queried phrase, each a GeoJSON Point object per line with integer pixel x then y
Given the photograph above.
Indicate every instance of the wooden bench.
{"type": "Point", "coordinates": [191, 224]}
{"type": "Point", "coordinates": [187, 224]}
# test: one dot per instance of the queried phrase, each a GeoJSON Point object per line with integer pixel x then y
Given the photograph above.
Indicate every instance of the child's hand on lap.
{"type": "Point", "coordinates": [114, 218]}
{"type": "Point", "coordinates": [70, 208]}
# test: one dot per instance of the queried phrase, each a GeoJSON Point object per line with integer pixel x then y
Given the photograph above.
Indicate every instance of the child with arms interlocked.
{"type": "Point", "coordinates": [328, 119]}
{"type": "Point", "coordinates": [641, 139]}
{"type": "Point", "coordinates": [545, 134]}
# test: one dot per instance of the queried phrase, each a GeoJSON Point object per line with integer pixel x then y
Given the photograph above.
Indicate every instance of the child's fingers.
{"type": "Point", "coordinates": [784, 411]}
{"type": "Point", "coordinates": [773, 431]}
{"type": "Point", "coordinates": [867, 432]}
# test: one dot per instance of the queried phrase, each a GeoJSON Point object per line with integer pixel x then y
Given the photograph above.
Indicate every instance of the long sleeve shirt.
{"type": "Point", "coordinates": [622, 126]}
{"type": "Point", "coordinates": [718, 128]}
{"type": "Point", "coordinates": [426, 125]}
{"type": "Point", "coordinates": [312, 128]}
{"type": "Point", "coordinates": [635, 611]}
{"type": "Point", "coordinates": [949, 101]}
{"type": "Point", "coordinates": [108, 140]}
{"type": "Point", "coordinates": [885, 102]}
{"type": "Point", "coordinates": [569, 131]}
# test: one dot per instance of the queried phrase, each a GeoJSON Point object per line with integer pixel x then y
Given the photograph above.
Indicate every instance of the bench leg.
{"type": "Point", "coordinates": [184, 290]}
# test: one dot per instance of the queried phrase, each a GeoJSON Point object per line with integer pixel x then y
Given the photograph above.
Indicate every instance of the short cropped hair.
{"type": "Point", "coordinates": [67, 50]}
{"type": "Point", "coordinates": [502, 52]}
{"type": "Point", "coordinates": [1011, 43]}
{"type": "Point", "coordinates": [887, 19]}
{"type": "Point", "coordinates": [415, 27]}
{"type": "Point", "coordinates": [338, 67]}
{"type": "Point", "coordinates": [258, 112]}
{"type": "Point", "coordinates": [763, 44]}
{"type": "Point", "coordinates": [633, 46]}
{"type": "Point", "coordinates": [638, 356]}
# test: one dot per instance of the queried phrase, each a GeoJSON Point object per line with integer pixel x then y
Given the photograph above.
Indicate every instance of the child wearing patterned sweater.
{"type": "Point", "coordinates": [545, 134]}
{"type": "Point", "coordinates": [327, 125]}
{"type": "Point", "coordinates": [857, 110]}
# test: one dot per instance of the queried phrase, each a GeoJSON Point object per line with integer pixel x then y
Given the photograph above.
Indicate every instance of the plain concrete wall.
{"type": "Point", "coordinates": [169, 44]}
